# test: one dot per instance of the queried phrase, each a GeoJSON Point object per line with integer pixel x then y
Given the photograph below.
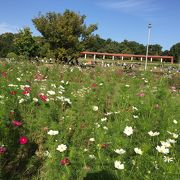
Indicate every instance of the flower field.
{"type": "Point", "coordinates": [60, 122]}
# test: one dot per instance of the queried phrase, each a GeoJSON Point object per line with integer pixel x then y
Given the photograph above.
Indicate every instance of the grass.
{"type": "Point", "coordinates": [145, 101]}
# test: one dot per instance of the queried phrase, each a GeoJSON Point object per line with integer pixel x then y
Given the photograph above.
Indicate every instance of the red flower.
{"type": "Point", "coordinates": [13, 92]}
{"type": "Point", "coordinates": [2, 149]}
{"type": "Point", "coordinates": [28, 89]}
{"type": "Point", "coordinates": [4, 74]}
{"type": "Point", "coordinates": [16, 123]}
{"type": "Point", "coordinates": [23, 140]}
{"type": "Point", "coordinates": [43, 97]}
{"type": "Point", "coordinates": [65, 161]}
{"type": "Point", "coordinates": [94, 85]}
{"type": "Point", "coordinates": [25, 92]}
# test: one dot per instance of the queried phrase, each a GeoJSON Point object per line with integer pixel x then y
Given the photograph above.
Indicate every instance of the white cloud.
{"type": "Point", "coordinates": [4, 27]}
{"type": "Point", "coordinates": [129, 5]}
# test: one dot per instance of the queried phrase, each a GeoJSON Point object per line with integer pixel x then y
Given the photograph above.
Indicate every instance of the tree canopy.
{"type": "Point", "coordinates": [66, 33]}
{"type": "Point", "coordinates": [25, 44]}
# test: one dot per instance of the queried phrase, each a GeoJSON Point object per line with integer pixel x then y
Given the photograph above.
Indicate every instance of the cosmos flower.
{"type": "Point", "coordinates": [151, 133]}
{"type": "Point", "coordinates": [92, 139]}
{"type": "Point", "coordinates": [174, 121]}
{"type": "Point", "coordinates": [61, 148]}
{"type": "Point", "coordinates": [168, 159]}
{"type": "Point", "coordinates": [2, 149]}
{"type": "Point", "coordinates": [65, 161]}
{"type": "Point", "coordinates": [128, 130]}
{"type": "Point", "coordinates": [162, 149]}
{"type": "Point", "coordinates": [104, 119]}
{"type": "Point", "coordinates": [23, 140]}
{"type": "Point", "coordinates": [95, 108]}
{"type": "Point", "coordinates": [119, 151]}
{"type": "Point", "coordinates": [52, 133]}
{"type": "Point", "coordinates": [118, 165]}
{"type": "Point", "coordinates": [16, 123]}
{"type": "Point", "coordinates": [138, 151]}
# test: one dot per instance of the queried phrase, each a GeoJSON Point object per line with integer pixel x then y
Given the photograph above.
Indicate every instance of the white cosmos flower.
{"type": "Point", "coordinates": [95, 108]}
{"type": "Point", "coordinates": [135, 116]}
{"type": "Point", "coordinates": [103, 119]}
{"type": "Point", "coordinates": [153, 133]}
{"type": "Point", "coordinates": [174, 121]}
{"type": "Point", "coordinates": [135, 108]}
{"type": "Point", "coordinates": [105, 127]}
{"type": "Point", "coordinates": [165, 144]}
{"type": "Point", "coordinates": [52, 133]}
{"type": "Point", "coordinates": [21, 101]}
{"type": "Point", "coordinates": [119, 151]}
{"type": "Point", "coordinates": [92, 156]}
{"type": "Point", "coordinates": [51, 92]}
{"type": "Point", "coordinates": [61, 147]}
{"type": "Point", "coordinates": [171, 141]}
{"type": "Point", "coordinates": [175, 135]}
{"type": "Point", "coordinates": [92, 139]}
{"type": "Point", "coordinates": [138, 151]}
{"type": "Point", "coordinates": [128, 130]}
{"type": "Point", "coordinates": [118, 165]}
{"type": "Point", "coordinates": [35, 99]}
{"type": "Point", "coordinates": [97, 125]}
{"type": "Point", "coordinates": [162, 149]}
{"type": "Point", "coordinates": [168, 159]}
{"type": "Point", "coordinates": [127, 85]}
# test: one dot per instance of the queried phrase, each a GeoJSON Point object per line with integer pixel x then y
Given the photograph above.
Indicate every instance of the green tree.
{"type": "Point", "coordinates": [155, 49]}
{"type": "Point", "coordinates": [175, 51]}
{"type": "Point", "coordinates": [25, 43]}
{"type": "Point", "coordinates": [67, 33]}
{"type": "Point", "coordinates": [6, 44]}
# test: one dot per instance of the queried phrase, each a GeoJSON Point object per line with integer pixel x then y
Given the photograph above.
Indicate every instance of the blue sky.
{"type": "Point", "coordinates": [116, 19]}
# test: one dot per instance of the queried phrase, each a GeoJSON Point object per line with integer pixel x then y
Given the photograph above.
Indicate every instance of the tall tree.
{"type": "Point", "coordinates": [67, 33]}
{"type": "Point", "coordinates": [175, 51]}
{"type": "Point", "coordinates": [25, 44]}
{"type": "Point", "coordinates": [6, 44]}
{"type": "Point", "coordinates": [155, 49]}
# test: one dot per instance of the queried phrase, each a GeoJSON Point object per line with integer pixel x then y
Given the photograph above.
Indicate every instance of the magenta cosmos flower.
{"type": "Point", "coordinates": [2, 149]}
{"type": "Point", "coordinates": [16, 123]}
{"type": "Point", "coordinates": [23, 140]}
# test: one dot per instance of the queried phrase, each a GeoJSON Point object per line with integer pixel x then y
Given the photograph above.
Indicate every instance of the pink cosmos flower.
{"type": "Point", "coordinates": [141, 94]}
{"type": "Point", "coordinates": [65, 161]}
{"type": "Point", "coordinates": [16, 123]}
{"type": "Point", "coordinates": [4, 74]}
{"type": "Point", "coordinates": [2, 149]}
{"type": "Point", "coordinates": [23, 140]}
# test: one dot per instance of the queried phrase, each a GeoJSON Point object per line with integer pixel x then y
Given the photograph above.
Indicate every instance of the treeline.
{"type": "Point", "coordinates": [65, 35]}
